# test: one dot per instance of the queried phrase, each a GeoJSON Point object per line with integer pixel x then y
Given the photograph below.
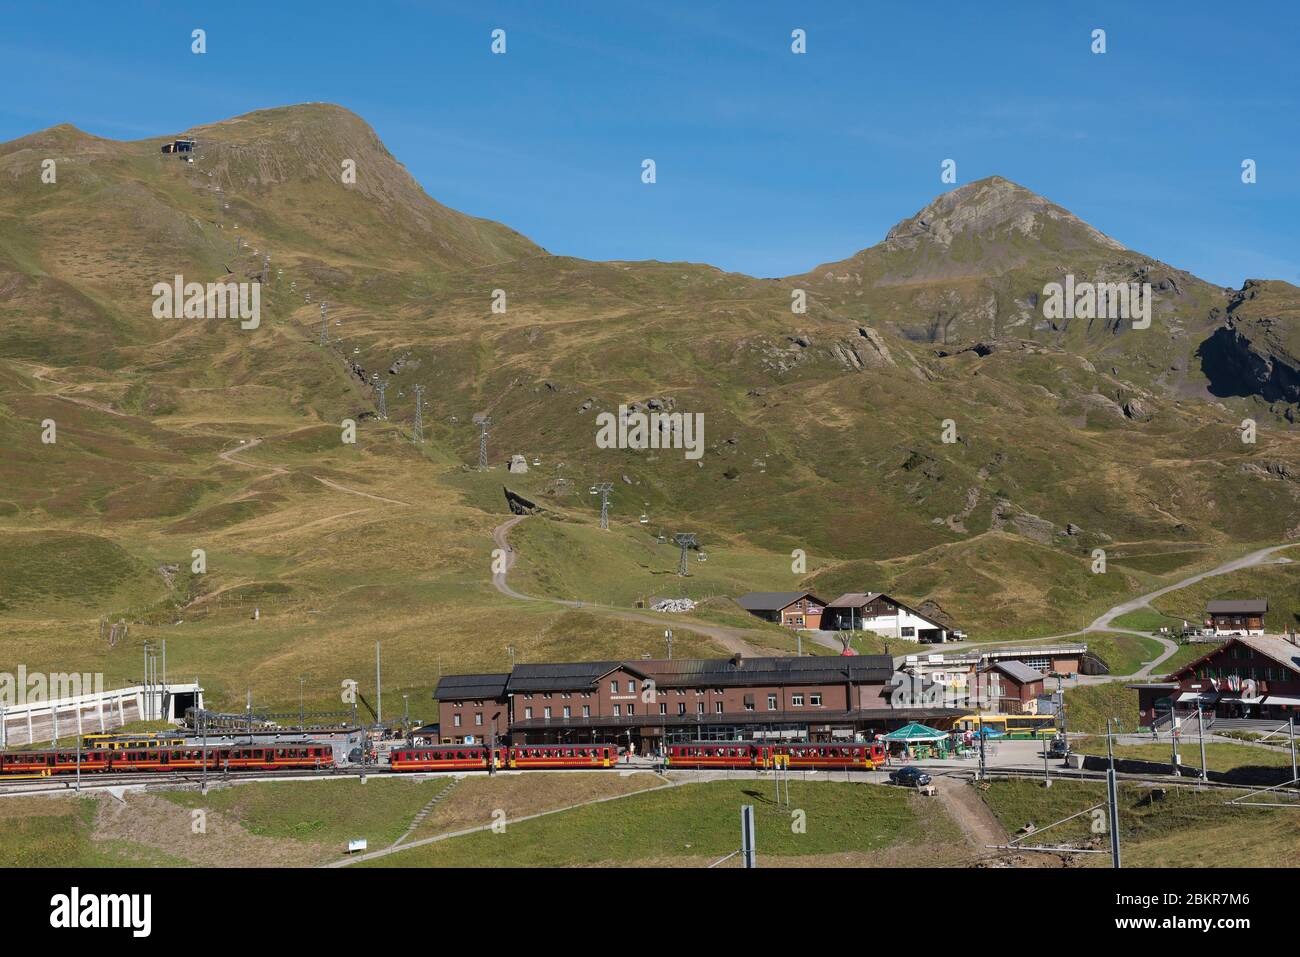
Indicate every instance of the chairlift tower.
{"type": "Point", "coordinates": [603, 489]}
{"type": "Point", "coordinates": [380, 387]}
{"type": "Point", "coordinates": [686, 541]}
{"type": "Point", "coordinates": [324, 323]}
{"type": "Point", "coordinates": [417, 426]}
{"type": "Point", "coordinates": [482, 442]}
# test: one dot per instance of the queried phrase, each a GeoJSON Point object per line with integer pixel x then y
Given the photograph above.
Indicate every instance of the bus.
{"type": "Point", "coordinates": [1014, 726]}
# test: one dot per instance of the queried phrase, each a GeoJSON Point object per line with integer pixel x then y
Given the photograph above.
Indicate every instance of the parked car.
{"type": "Point", "coordinates": [909, 777]}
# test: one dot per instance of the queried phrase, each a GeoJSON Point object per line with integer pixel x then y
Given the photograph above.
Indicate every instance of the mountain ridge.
{"type": "Point", "coordinates": [825, 429]}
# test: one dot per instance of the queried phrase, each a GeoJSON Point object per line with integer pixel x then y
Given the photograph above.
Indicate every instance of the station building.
{"type": "Point", "coordinates": [648, 703]}
{"type": "Point", "coordinates": [1247, 677]}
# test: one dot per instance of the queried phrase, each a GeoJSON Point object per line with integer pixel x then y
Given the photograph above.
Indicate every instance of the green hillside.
{"type": "Point", "coordinates": [824, 431]}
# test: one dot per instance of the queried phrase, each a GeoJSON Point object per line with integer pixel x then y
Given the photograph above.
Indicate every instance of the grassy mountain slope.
{"type": "Point", "coordinates": [823, 429]}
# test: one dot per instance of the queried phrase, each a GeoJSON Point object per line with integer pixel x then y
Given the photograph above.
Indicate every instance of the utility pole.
{"type": "Point", "coordinates": [379, 690]}
{"type": "Point", "coordinates": [747, 852]}
{"type": "Point", "coordinates": [1060, 710]}
{"type": "Point", "coordinates": [1112, 799]}
{"type": "Point", "coordinates": [1176, 761]}
{"type": "Point", "coordinates": [603, 489]}
{"type": "Point", "coordinates": [1200, 731]}
{"type": "Point", "coordinates": [417, 426]}
{"type": "Point", "coordinates": [324, 324]}
{"type": "Point", "coordinates": [1290, 724]}
{"type": "Point", "coordinates": [482, 442]}
{"type": "Point", "coordinates": [203, 747]}
{"type": "Point", "coordinates": [668, 637]}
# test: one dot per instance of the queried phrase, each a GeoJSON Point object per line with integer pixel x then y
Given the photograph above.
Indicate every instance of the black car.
{"type": "Point", "coordinates": [909, 777]}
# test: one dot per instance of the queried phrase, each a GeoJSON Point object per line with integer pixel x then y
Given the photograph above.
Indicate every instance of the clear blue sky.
{"type": "Point", "coordinates": [768, 163]}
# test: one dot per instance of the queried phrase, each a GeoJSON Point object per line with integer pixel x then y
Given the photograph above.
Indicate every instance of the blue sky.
{"type": "Point", "coordinates": [768, 162]}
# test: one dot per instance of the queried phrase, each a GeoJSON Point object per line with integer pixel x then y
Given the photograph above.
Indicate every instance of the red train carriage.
{"type": "Point", "coordinates": [268, 758]}
{"type": "Point", "coordinates": [810, 755]}
{"type": "Point", "coordinates": [563, 756]}
{"type": "Point", "coordinates": [45, 763]}
{"type": "Point", "coordinates": [259, 758]}
{"type": "Point", "coordinates": [233, 757]}
{"type": "Point", "coordinates": [711, 754]}
{"type": "Point", "coordinates": [446, 757]}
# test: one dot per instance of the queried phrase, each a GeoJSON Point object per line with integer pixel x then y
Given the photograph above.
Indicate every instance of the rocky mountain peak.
{"type": "Point", "coordinates": [991, 209]}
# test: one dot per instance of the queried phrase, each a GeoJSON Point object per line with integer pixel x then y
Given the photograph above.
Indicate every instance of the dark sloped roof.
{"type": "Point", "coordinates": [562, 676]}
{"type": "Point", "coordinates": [769, 671]}
{"type": "Point", "coordinates": [718, 672]}
{"type": "Point", "coordinates": [772, 600]}
{"type": "Point", "coordinates": [460, 687]}
{"type": "Point", "coordinates": [1018, 671]}
{"type": "Point", "coordinates": [1247, 606]}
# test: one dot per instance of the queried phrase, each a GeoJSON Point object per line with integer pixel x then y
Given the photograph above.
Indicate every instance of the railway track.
{"type": "Point", "coordinates": [1082, 774]}
{"type": "Point", "coordinates": [64, 783]}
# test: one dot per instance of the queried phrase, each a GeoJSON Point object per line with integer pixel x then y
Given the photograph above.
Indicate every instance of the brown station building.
{"type": "Point", "coordinates": [1250, 676]}
{"type": "Point", "coordinates": [647, 703]}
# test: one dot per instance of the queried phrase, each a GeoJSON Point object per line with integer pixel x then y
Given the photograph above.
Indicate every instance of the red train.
{"type": "Point", "coordinates": [180, 758]}
{"type": "Point", "coordinates": [798, 756]}
{"type": "Point", "coordinates": [697, 754]}
{"type": "Point", "coordinates": [452, 757]}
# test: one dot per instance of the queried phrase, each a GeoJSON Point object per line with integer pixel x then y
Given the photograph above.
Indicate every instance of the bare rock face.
{"type": "Point", "coordinates": [1257, 350]}
{"type": "Point", "coordinates": [933, 610]}
{"type": "Point", "coordinates": [987, 209]}
{"type": "Point", "coordinates": [1095, 401]}
{"type": "Point", "coordinates": [872, 350]}
{"type": "Point", "coordinates": [1137, 410]}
